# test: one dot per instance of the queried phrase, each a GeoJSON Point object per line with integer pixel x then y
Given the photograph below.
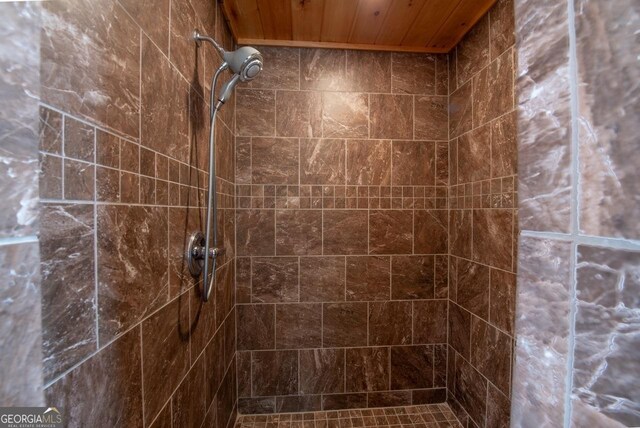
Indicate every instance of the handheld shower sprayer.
{"type": "Point", "coordinates": [245, 64]}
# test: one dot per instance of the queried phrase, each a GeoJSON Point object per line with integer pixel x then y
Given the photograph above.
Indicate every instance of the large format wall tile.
{"type": "Point", "coordinates": [390, 232]}
{"type": "Point", "coordinates": [391, 116]}
{"type": "Point", "coordinates": [322, 161]}
{"type": "Point", "coordinates": [431, 118]}
{"type": "Point", "coordinates": [368, 278]}
{"type": "Point", "coordinates": [165, 352]}
{"type": "Point", "coordinates": [544, 124]}
{"type": "Point", "coordinates": [322, 279]}
{"type": "Point", "coordinates": [19, 60]}
{"type": "Point", "coordinates": [369, 162]}
{"type": "Point", "coordinates": [542, 326]}
{"type": "Point", "coordinates": [608, 286]}
{"type": "Point", "coordinates": [298, 114]}
{"type": "Point", "coordinates": [412, 277]}
{"type": "Point", "coordinates": [470, 390]}
{"type": "Point", "coordinates": [274, 160]}
{"type": "Point", "coordinates": [474, 153]}
{"type": "Point", "coordinates": [389, 323]}
{"type": "Point", "coordinates": [428, 316]}
{"type": "Point", "coordinates": [344, 232]}
{"type": "Point", "coordinates": [368, 71]}
{"type": "Point", "coordinates": [164, 120]}
{"type": "Point", "coordinates": [344, 324]}
{"type": "Point", "coordinates": [184, 52]}
{"type": "Point", "coordinates": [493, 90]}
{"type": "Point", "coordinates": [460, 110]}
{"type": "Point", "coordinates": [274, 373]}
{"type": "Point", "coordinates": [108, 386]}
{"type": "Point", "coordinates": [472, 287]}
{"type": "Point", "coordinates": [132, 268]}
{"type": "Point", "coordinates": [68, 286]}
{"type": "Point", "coordinates": [325, 371]}
{"type": "Point", "coordinates": [256, 112]}
{"type": "Point", "coordinates": [299, 325]}
{"type": "Point", "coordinates": [282, 70]}
{"type": "Point", "coordinates": [21, 337]}
{"type": "Point", "coordinates": [608, 114]}
{"type": "Point", "coordinates": [156, 25]}
{"type": "Point", "coordinates": [322, 69]}
{"type": "Point", "coordinates": [90, 62]}
{"type": "Point", "coordinates": [473, 51]}
{"type": "Point", "coordinates": [298, 232]}
{"type": "Point", "coordinates": [188, 404]}
{"type": "Point", "coordinates": [411, 367]}
{"type": "Point", "coordinates": [502, 27]}
{"type": "Point", "coordinates": [413, 73]}
{"type": "Point", "coordinates": [367, 369]}
{"type": "Point", "coordinates": [255, 233]}
{"type": "Point", "coordinates": [181, 220]}
{"type": "Point", "coordinates": [492, 237]}
{"type": "Point", "coordinates": [345, 115]}
{"type": "Point", "coordinates": [430, 231]}
{"type": "Point", "coordinates": [415, 162]}
{"type": "Point", "coordinates": [256, 326]}
{"type": "Point", "coordinates": [275, 279]}
{"type": "Point", "coordinates": [491, 353]}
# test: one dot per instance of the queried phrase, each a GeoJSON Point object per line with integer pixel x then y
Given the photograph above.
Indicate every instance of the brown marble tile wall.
{"type": "Point", "coordinates": [575, 364]}
{"type": "Point", "coordinates": [20, 315]}
{"type": "Point", "coordinates": [483, 196]}
{"type": "Point", "coordinates": [342, 240]}
{"type": "Point", "coordinates": [123, 142]}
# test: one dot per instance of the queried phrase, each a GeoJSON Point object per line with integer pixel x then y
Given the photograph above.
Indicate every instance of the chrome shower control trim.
{"type": "Point", "coordinates": [196, 251]}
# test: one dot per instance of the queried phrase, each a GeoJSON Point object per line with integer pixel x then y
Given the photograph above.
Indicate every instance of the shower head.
{"type": "Point", "coordinates": [245, 62]}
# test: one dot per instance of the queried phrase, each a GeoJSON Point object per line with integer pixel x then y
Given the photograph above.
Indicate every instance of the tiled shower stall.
{"type": "Point", "coordinates": [353, 169]}
{"type": "Point", "coordinates": [370, 205]}
{"type": "Point", "coordinates": [358, 177]}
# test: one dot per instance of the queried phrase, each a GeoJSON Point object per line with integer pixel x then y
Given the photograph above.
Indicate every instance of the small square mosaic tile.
{"type": "Point", "coordinates": [423, 416]}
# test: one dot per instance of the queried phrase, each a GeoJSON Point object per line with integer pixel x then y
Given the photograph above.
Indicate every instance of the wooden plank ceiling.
{"type": "Point", "coordinates": [397, 25]}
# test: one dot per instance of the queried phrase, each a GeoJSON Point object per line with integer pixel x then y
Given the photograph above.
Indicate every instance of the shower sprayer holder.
{"type": "Point", "coordinates": [195, 253]}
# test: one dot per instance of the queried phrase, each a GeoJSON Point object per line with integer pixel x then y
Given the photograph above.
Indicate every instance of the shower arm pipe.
{"type": "Point", "coordinates": [201, 37]}
{"type": "Point", "coordinates": [212, 205]}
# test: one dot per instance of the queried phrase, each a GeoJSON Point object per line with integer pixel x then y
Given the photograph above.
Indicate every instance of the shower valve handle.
{"type": "Point", "coordinates": [195, 253]}
{"type": "Point", "coordinates": [198, 252]}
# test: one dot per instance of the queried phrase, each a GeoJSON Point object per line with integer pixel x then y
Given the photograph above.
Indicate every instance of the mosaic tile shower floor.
{"type": "Point", "coordinates": [423, 416]}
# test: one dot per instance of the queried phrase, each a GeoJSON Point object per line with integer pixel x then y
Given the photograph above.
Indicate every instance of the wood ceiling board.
{"type": "Point", "coordinates": [337, 20]}
{"type": "Point", "coordinates": [368, 21]}
{"type": "Point", "coordinates": [244, 16]}
{"type": "Point", "coordinates": [426, 25]}
{"type": "Point", "coordinates": [276, 19]}
{"type": "Point", "coordinates": [334, 45]}
{"type": "Point", "coordinates": [399, 19]}
{"type": "Point", "coordinates": [461, 20]}
{"type": "Point", "coordinates": [306, 19]}
{"type": "Point", "coordinates": [402, 25]}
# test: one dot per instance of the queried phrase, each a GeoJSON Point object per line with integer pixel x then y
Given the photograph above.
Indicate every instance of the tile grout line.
{"type": "Point", "coordinates": [95, 244]}
{"type": "Point", "coordinates": [142, 374]}
{"type": "Point", "coordinates": [18, 240]}
{"type": "Point", "coordinates": [575, 207]}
